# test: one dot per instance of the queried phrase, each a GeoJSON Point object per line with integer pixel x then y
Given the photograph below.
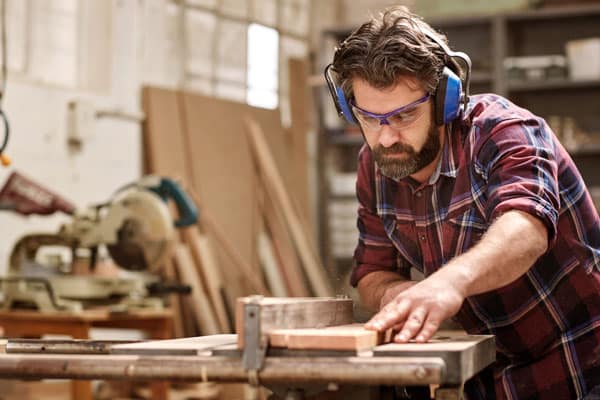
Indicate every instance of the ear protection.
{"type": "Point", "coordinates": [449, 98]}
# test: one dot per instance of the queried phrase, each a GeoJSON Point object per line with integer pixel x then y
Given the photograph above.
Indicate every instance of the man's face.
{"type": "Point", "coordinates": [404, 142]}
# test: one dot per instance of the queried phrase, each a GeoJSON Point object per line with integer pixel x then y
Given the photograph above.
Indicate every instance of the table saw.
{"type": "Point", "coordinates": [448, 360]}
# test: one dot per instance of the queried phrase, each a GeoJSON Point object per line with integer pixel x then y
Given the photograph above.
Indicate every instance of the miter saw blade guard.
{"type": "Point", "coordinates": [146, 232]}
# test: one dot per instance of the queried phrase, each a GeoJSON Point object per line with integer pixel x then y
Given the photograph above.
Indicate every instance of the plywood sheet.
{"type": "Point", "coordinates": [164, 147]}
{"type": "Point", "coordinates": [222, 170]}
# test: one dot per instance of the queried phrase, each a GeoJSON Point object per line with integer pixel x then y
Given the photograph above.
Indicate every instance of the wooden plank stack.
{"type": "Point", "coordinates": [247, 176]}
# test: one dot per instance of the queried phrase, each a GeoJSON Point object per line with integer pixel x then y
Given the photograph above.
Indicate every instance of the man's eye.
{"type": "Point", "coordinates": [369, 120]}
{"type": "Point", "coordinates": [403, 117]}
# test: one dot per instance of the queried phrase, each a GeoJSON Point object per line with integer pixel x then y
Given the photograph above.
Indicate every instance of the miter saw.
{"type": "Point", "coordinates": [136, 228]}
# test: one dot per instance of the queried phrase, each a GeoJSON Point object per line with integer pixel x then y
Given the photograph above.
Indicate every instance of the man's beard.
{"type": "Point", "coordinates": [399, 168]}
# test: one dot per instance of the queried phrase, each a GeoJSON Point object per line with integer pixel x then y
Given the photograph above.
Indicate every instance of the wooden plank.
{"type": "Point", "coordinates": [192, 346]}
{"type": "Point", "coordinates": [233, 255]}
{"type": "Point", "coordinates": [295, 312]}
{"type": "Point", "coordinates": [271, 266]}
{"type": "Point", "coordinates": [208, 269]}
{"type": "Point", "coordinates": [274, 183]}
{"type": "Point", "coordinates": [174, 303]}
{"type": "Point", "coordinates": [300, 104]}
{"type": "Point", "coordinates": [284, 248]}
{"type": "Point", "coordinates": [343, 337]}
{"type": "Point", "coordinates": [223, 178]}
{"type": "Point", "coordinates": [201, 307]}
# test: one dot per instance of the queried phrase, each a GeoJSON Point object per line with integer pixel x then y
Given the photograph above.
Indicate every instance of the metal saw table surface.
{"type": "Point", "coordinates": [448, 360]}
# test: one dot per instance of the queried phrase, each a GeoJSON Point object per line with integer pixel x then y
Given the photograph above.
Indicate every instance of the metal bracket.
{"type": "Point", "coordinates": [255, 344]}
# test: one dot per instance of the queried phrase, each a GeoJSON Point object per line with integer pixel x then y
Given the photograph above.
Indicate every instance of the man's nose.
{"type": "Point", "coordinates": [387, 135]}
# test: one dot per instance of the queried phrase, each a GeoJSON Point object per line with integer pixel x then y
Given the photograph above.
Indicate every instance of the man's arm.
{"type": "Point", "coordinates": [380, 287]}
{"type": "Point", "coordinates": [510, 247]}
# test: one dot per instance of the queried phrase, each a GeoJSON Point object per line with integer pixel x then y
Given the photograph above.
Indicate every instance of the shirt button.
{"type": "Point", "coordinates": [419, 194]}
{"type": "Point", "coordinates": [422, 237]}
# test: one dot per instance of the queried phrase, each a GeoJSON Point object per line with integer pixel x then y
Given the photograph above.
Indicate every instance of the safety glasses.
{"type": "Point", "coordinates": [399, 118]}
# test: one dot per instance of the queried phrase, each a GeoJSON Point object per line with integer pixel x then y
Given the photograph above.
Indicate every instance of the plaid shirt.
{"type": "Point", "coordinates": [497, 158]}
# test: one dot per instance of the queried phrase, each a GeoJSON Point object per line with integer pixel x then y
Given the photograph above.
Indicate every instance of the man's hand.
{"type": "Point", "coordinates": [394, 290]}
{"type": "Point", "coordinates": [418, 311]}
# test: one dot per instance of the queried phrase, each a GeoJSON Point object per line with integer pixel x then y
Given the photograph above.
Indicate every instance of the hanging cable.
{"type": "Point", "coordinates": [3, 158]}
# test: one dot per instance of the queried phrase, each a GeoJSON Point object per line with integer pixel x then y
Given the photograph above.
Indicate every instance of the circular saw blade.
{"type": "Point", "coordinates": [145, 233]}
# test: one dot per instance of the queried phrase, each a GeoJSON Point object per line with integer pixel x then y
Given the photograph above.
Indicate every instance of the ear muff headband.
{"type": "Point", "coordinates": [338, 97]}
{"type": "Point", "coordinates": [449, 95]}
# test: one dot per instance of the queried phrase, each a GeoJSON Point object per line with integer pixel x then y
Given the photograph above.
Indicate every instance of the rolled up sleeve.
{"type": "Point", "coordinates": [519, 164]}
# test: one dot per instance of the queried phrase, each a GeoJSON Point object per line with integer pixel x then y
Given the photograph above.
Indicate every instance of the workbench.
{"type": "Point", "coordinates": [157, 324]}
{"type": "Point", "coordinates": [448, 361]}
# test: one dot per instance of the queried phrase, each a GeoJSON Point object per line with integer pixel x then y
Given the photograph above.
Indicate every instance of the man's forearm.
{"type": "Point", "coordinates": [510, 247]}
{"type": "Point", "coordinates": [373, 287]}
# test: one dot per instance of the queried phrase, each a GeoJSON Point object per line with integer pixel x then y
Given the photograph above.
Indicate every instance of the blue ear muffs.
{"type": "Point", "coordinates": [448, 97]}
{"type": "Point", "coordinates": [338, 97]}
{"type": "Point", "coordinates": [344, 106]}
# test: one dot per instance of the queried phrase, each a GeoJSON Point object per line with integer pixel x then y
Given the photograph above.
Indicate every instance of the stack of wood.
{"type": "Point", "coordinates": [248, 177]}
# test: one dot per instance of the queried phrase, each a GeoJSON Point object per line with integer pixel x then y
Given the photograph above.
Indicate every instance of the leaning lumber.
{"type": "Point", "coordinates": [317, 275]}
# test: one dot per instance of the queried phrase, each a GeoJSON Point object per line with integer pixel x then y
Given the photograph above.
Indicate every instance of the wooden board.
{"type": "Point", "coordinates": [200, 345]}
{"type": "Point", "coordinates": [284, 247]}
{"type": "Point", "coordinates": [201, 306]}
{"type": "Point", "coordinates": [271, 266]}
{"type": "Point", "coordinates": [317, 275]}
{"type": "Point", "coordinates": [343, 337]}
{"type": "Point", "coordinates": [174, 300]}
{"type": "Point", "coordinates": [203, 254]}
{"type": "Point", "coordinates": [299, 95]}
{"type": "Point", "coordinates": [223, 176]}
{"type": "Point", "coordinates": [295, 312]}
{"type": "Point", "coordinates": [164, 144]}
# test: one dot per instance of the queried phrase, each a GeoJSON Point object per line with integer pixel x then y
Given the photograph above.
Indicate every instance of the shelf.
{"type": "Point", "coordinates": [479, 77]}
{"type": "Point", "coordinates": [488, 40]}
{"type": "Point", "coordinates": [557, 12]}
{"type": "Point", "coordinates": [585, 150]}
{"type": "Point", "coordinates": [526, 86]}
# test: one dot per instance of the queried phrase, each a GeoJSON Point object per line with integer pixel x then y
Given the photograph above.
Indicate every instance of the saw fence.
{"type": "Point", "coordinates": [248, 176]}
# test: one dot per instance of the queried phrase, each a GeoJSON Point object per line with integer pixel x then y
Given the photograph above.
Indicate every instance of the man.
{"type": "Point", "coordinates": [486, 203]}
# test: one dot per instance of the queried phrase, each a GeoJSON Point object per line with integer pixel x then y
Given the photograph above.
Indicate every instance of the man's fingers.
{"type": "Point", "coordinates": [392, 314]}
{"type": "Point", "coordinates": [412, 326]}
{"type": "Point", "coordinates": [430, 327]}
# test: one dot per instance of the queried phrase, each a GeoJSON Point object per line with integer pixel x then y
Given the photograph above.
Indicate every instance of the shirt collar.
{"type": "Point", "coordinates": [447, 165]}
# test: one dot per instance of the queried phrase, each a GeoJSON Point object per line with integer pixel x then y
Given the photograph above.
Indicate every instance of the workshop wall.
{"type": "Point", "coordinates": [95, 56]}
{"type": "Point", "coordinates": [48, 69]}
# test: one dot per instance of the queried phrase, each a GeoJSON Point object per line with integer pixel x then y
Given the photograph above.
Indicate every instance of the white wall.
{"type": "Point", "coordinates": [103, 51]}
{"type": "Point", "coordinates": [111, 152]}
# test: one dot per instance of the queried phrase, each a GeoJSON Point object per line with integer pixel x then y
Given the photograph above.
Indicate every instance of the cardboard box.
{"type": "Point", "coordinates": [584, 58]}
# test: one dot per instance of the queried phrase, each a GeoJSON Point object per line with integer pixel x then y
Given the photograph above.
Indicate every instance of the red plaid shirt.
{"type": "Point", "coordinates": [499, 157]}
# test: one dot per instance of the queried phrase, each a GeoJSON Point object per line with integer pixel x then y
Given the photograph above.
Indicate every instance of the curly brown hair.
{"type": "Point", "coordinates": [392, 44]}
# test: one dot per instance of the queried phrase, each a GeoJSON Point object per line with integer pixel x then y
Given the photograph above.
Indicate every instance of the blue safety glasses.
{"type": "Point", "coordinates": [399, 118]}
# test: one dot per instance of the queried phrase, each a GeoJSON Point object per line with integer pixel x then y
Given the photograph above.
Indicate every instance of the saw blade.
{"type": "Point", "coordinates": [145, 232]}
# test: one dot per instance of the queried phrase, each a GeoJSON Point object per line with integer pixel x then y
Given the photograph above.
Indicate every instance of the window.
{"type": "Point", "coordinates": [263, 65]}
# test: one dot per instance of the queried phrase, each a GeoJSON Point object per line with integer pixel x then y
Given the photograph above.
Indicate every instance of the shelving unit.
{"type": "Point", "coordinates": [488, 40]}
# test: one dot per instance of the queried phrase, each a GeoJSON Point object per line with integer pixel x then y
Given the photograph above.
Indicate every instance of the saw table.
{"type": "Point", "coordinates": [448, 360]}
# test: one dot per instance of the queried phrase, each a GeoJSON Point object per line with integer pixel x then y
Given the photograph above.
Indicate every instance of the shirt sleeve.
{"type": "Point", "coordinates": [519, 163]}
{"type": "Point", "coordinates": [375, 251]}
